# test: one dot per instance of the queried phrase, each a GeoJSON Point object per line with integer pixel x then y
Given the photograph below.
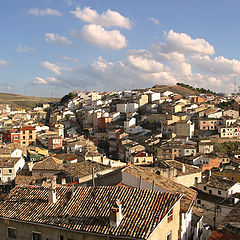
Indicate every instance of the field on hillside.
{"type": "Point", "coordinates": [174, 88]}
{"type": "Point", "coordinates": [16, 100]}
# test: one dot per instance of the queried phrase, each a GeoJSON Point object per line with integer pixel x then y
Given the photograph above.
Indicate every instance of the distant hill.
{"type": "Point", "coordinates": [174, 88]}
{"type": "Point", "coordinates": [16, 100]}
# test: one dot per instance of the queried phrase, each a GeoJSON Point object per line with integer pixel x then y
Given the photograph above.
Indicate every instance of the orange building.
{"type": "Point", "coordinates": [198, 99]}
{"type": "Point", "coordinates": [104, 121]}
{"type": "Point", "coordinates": [213, 162]}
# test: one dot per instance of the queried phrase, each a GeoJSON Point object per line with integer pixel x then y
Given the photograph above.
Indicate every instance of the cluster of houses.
{"type": "Point", "coordinates": [138, 164]}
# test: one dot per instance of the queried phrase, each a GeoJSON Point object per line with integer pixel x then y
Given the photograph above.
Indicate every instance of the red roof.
{"type": "Point", "coordinates": [216, 235]}
{"type": "Point", "coordinates": [25, 128]}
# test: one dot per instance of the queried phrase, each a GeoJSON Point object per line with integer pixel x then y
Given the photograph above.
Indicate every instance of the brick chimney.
{"type": "Point", "coordinates": [52, 195]}
{"type": "Point", "coordinates": [116, 214]}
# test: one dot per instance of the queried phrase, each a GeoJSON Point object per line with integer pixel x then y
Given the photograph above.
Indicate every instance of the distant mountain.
{"type": "Point", "coordinates": [16, 100]}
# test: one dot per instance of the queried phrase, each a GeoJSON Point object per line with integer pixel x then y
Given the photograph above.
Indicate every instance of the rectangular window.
{"type": "Point", "coordinates": [36, 236]}
{"type": "Point", "coordinates": [219, 193]}
{"type": "Point", "coordinates": [210, 191]}
{"type": "Point", "coordinates": [170, 216]}
{"type": "Point", "coordinates": [205, 188]}
{"type": "Point", "coordinates": [61, 237]}
{"type": "Point", "coordinates": [12, 232]}
{"type": "Point", "coordinates": [10, 170]}
{"type": "Point", "coordinates": [198, 201]}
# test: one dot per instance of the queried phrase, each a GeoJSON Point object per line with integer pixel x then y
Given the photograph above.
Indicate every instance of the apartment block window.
{"type": "Point", "coordinates": [30, 136]}
{"type": "Point", "coordinates": [198, 201]}
{"type": "Point", "coordinates": [170, 216]}
{"type": "Point", "coordinates": [36, 236]}
{"type": "Point", "coordinates": [169, 236]}
{"type": "Point", "coordinates": [219, 193]}
{"type": "Point", "coordinates": [205, 188]}
{"type": "Point", "coordinates": [10, 170]}
{"type": "Point", "coordinates": [12, 233]}
{"type": "Point", "coordinates": [61, 237]}
{"type": "Point", "coordinates": [210, 191]}
{"type": "Point", "coordinates": [30, 132]}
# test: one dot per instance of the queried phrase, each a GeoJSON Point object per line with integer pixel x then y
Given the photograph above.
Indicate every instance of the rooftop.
{"type": "Point", "coordinates": [149, 175]}
{"type": "Point", "coordinates": [88, 209]}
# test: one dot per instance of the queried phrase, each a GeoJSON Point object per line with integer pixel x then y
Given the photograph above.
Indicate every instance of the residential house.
{"type": "Point", "coordinates": [216, 196]}
{"type": "Point", "coordinates": [206, 162]}
{"type": "Point", "coordinates": [210, 124]}
{"type": "Point", "coordinates": [27, 135]}
{"type": "Point", "coordinates": [141, 158]}
{"type": "Point", "coordinates": [9, 166]}
{"type": "Point", "coordinates": [185, 129]}
{"type": "Point", "coordinates": [94, 213]}
{"type": "Point", "coordinates": [228, 228]}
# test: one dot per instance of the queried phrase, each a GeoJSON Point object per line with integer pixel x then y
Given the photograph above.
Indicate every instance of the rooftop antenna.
{"type": "Point", "coordinates": [235, 90]}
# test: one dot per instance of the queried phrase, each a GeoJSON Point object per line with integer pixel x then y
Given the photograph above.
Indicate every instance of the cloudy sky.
{"type": "Point", "coordinates": [56, 46]}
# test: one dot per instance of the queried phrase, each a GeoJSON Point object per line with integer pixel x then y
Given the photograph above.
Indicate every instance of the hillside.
{"type": "Point", "coordinates": [16, 100]}
{"type": "Point", "coordinates": [174, 88]}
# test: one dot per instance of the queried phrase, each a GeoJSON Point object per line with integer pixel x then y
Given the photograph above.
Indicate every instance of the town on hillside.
{"type": "Point", "coordinates": [155, 163]}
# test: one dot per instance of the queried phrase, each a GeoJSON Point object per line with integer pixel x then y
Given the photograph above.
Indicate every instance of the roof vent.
{"type": "Point", "coordinates": [116, 214]}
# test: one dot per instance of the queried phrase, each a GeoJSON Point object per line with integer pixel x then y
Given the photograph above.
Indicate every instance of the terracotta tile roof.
{"type": "Point", "coordinates": [88, 209]}
{"type": "Point", "coordinates": [229, 228]}
{"type": "Point", "coordinates": [219, 182]}
{"type": "Point", "coordinates": [27, 128]}
{"type": "Point", "coordinates": [8, 161]}
{"type": "Point", "coordinates": [148, 174]}
{"type": "Point", "coordinates": [49, 163]}
{"type": "Point", "coordinates": [83, 168]}
{"type": "Point", "coordinates": [189, 169]}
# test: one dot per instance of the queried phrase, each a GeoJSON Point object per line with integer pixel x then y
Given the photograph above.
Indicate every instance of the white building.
{"type": "Point", "coordinates": [9, 167]}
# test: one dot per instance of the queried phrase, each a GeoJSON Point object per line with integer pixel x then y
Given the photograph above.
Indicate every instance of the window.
{"type": "Point", "coordinates": [11, 232]}
{"type": "Point", "coordinates": [23, 137]}
{"type": "Point", "coordinates": [210, 191]}
{"type": "Point", "coordinates": [205, 188]}
{"type": "Point", "coordinates": [36, 236]}
{"type": "Point", "coordinates": [198, 201]}
{"type": "Point", "coordinates": [30, 136]}
{"type": "Point", "coordinates": [170, 216]}
{"type": "Point", "coordinates": [10, 170]}
{"type": "Point", "coordinates": [61, 237]}
{"type": "Point", "coordinates": [219, 193]}
{"type": "Point", "coordinates": [30, 132]}
{"type": "Point", "coordinates": [169, 236]}
{"type": "Point", "coordinates": [232, 178]}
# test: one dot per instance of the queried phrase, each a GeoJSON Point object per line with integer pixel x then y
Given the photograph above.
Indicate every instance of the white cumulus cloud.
{"type": "Point", "coordinates": [107, 19]}
{"type": "Point", "coordinates": [3, 63]}
{"type": "Point", "coordinates": [97, 35]}
{"type": "Point", "coordinates": [21, 48]}
{"type": "Point", "coordinates": [43, 12]}
{"type": "Point", "coordinates": [55, 38]}
{"type": "Point", "coordinates": [69, 58]}
{"type": "Point", "coordinates": [42, 81]}
{"type": "Point", "coordinates": [52, 67]}
{"type": "Point", "coordinates": [154, 20]}
{"type": "Point", "coordinates": [183, 43]}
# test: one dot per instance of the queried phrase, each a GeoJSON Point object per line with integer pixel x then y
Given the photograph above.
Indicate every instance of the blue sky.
{"type": "Point", "coordinates": [56, 46]}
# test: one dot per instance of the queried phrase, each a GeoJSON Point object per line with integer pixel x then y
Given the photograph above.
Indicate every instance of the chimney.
{"type": "Point", "coordinates": [116, 214]}
{"type": "Point", "coordinates": [153, 185]}
{"type": "Point", "coordinates": [140, 182]}
{"type": "Point", "coordinates": [183, 168]}
{"type": "Point", "coordinates": [209, 175]}
{"type": "Point", "coordinates": [93, 180]}
{"type": "Point", "coordinates": [52, 195]}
